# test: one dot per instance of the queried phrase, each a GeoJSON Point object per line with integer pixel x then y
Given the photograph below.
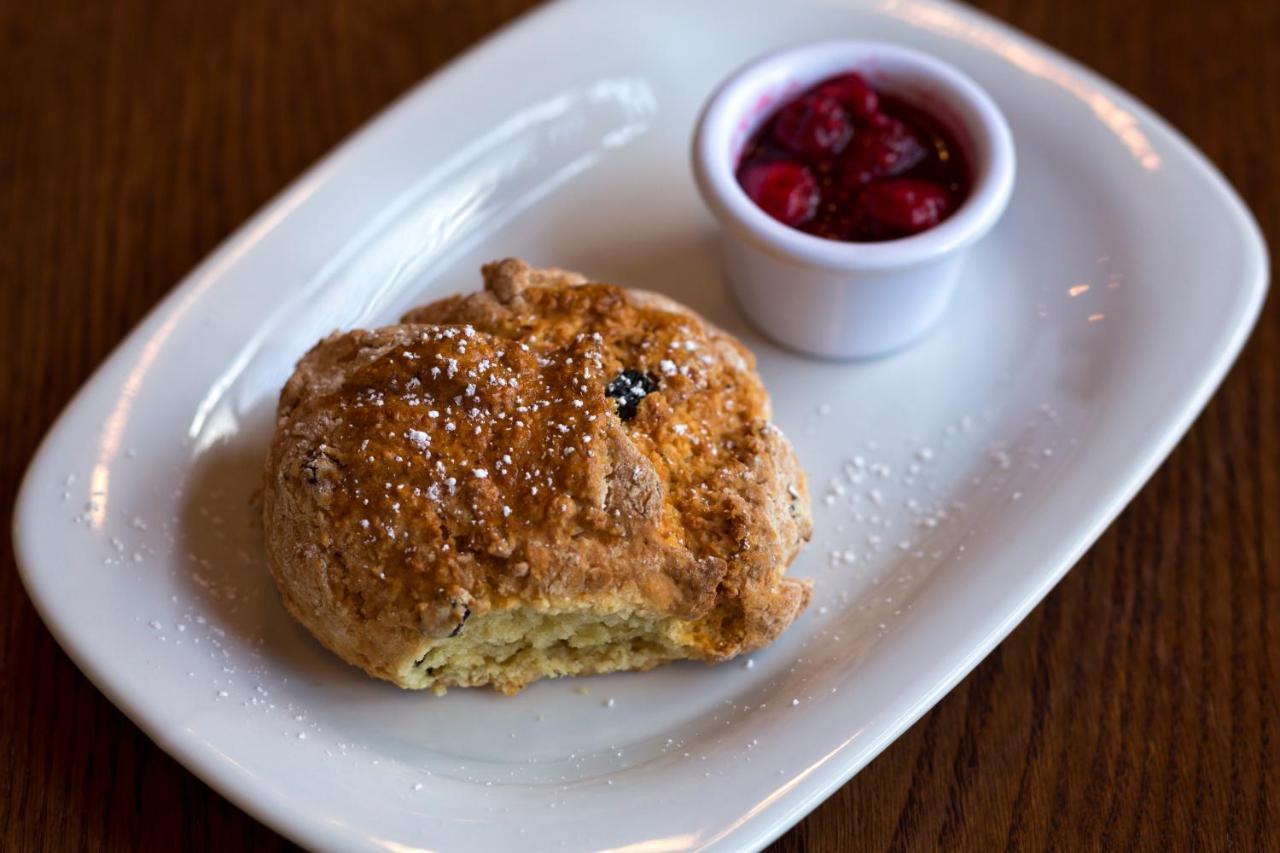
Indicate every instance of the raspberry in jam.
{"type": "Point", "coordinates": [846, 162]}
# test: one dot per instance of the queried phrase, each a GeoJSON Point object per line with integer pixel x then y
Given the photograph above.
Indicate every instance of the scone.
{"type": "Point", "coordinates": [548, 477]}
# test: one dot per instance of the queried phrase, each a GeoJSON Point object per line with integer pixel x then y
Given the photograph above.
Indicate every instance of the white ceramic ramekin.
{"type": "Point", "coordinates": [827, 297]}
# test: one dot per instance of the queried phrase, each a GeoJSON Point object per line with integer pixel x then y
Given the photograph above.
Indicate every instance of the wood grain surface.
{"type": "Point", "coordinates": [1137, 707]}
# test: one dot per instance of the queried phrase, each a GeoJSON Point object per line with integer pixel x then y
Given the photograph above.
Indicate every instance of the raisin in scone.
{"type": "Point", "coordinates": [548, 477]}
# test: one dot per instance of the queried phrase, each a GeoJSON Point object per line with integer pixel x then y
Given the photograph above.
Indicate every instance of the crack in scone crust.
{"type": "Point", "coordinates": [468, 462]}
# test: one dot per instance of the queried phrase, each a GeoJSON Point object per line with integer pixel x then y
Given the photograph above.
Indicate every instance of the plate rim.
{"type": "Point", "coordinates": [766, 825]}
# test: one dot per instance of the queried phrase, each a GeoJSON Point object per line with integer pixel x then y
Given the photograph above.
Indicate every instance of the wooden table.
{"type": "Point", "coordinates": [1137, 706]}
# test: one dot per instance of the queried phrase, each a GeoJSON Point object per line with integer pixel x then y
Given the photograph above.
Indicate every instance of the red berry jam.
{"type": "Point", "coordinates": [846, 162]}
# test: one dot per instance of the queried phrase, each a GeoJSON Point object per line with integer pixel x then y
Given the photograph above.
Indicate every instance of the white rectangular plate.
{"type": "Point", "coordinates": [953, 484]}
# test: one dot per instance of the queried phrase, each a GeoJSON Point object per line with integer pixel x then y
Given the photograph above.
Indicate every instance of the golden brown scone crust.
{"type": "Point", "coordinates": [468, 461]}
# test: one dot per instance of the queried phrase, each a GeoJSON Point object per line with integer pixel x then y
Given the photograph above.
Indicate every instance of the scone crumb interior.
{"type": "Point", "coordinates": [510, 648]}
